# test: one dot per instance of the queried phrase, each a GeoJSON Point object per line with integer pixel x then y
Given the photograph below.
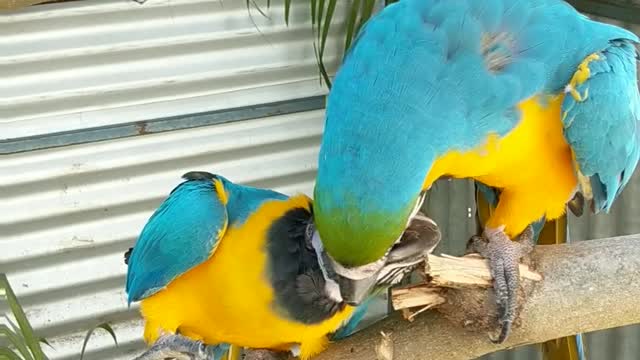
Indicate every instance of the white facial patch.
{"type": "Point", "coordinates": [331, 287]}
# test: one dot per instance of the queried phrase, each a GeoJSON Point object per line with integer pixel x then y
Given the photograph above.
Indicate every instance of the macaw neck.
{"type": "Point", "coordinates": [245, 200]}
{"type": "Point", "coordinates": [291, 262]}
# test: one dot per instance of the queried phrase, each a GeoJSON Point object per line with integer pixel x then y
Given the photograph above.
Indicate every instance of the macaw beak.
{"type": "Point", "coordinates": [355, 291]}
{"type": "Point", "coordinates": [353, 285]}
{"type": "Point", "coordinates": [419, 239]}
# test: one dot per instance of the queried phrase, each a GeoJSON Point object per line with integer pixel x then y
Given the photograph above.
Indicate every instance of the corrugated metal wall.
{"type": "Point", "coordinates": [68, 214]}
{"type": "Point", "coordinates": [100, 63]}
{"type": "Point", "coordinates": [100, 69]}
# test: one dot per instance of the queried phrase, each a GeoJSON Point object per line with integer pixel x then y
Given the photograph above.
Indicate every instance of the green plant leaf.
{"type": "Point", "coordinates": [13, 325]}
{"type": "Point", "coordinates": [331, 7]}
{"type": "Point", "coordinates": [16, 340]}
{"type": "Point", "coordinates": [313, 14]}
{"type": "Point", "coordinates": [6, 353]}
{"type": "Point", "coordinates": [103, 326]}
{"type": "Point", "coordinates": [46, 342]}
{"type": "Point", "coordinates": [319, 14]}
{"type": "Point", "coordinates": [287, 11]}
{"type": "Point", "coordinates": [255, 5]}
{"type": "Point", "coordinates": [351, 24]}
{"type": "Point", "coordinates": [365, 13]}
{"type": "Point", "coordinates": [323, 72]}
{"type": "Point", "coordinates": [21, 318]}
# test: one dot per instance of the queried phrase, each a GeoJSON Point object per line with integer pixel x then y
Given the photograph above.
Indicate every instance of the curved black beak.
{"type": "Point", "coordinates": [420, 238]}
{"type": "Point", "coordinates": [354, 292]}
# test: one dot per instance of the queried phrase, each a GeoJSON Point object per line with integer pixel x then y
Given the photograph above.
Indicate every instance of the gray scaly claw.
{"type": "Point", "coordinates": [178, 347]}
{"type": "Point", "coordinates": [504, 257]}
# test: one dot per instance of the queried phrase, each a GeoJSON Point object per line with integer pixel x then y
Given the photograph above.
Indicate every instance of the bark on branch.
{"type": "Point", "coordinates": [587, 286]}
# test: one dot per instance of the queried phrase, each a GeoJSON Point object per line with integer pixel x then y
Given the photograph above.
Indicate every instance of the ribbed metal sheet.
{"type": "Point", "coordinates": [93, 63]}
{"type": "Point", "coordinates": [69, 214]}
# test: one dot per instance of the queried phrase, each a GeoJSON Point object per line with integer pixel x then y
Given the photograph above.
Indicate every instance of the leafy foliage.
{"type": "Point", "coordinates": [18, 341]}
{"type": "Point", "coordinates": [322, 13]}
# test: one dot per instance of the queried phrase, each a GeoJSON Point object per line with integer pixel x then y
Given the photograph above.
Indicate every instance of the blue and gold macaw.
{"type": "Point", "coordinates": [526, 96]}
{"type": "Point", "coordinates": [226, 264]}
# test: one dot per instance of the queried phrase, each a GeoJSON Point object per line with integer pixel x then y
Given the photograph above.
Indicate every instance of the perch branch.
{"type": "Point", "coordinates": [587, 286]}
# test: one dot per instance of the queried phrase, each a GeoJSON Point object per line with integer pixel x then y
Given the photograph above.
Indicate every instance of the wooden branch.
{"type": "Point", "coordinates": [587, 286]}
{"type": "Point", "coordinates": [17, 4]}
{"type": "Point", "coordinates": [471, 271]}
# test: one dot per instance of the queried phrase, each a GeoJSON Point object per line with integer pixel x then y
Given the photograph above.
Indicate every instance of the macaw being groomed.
{"type": "Point", "coordinates": [222, 264]}
{"type": "Point", "coordinates": [526, 96]}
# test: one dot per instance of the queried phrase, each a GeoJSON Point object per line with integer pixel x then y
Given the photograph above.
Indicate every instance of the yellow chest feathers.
{"type": "Point", "coordinates": [535, 152]}
{"type": "Point", "coordinates": [231, 297]}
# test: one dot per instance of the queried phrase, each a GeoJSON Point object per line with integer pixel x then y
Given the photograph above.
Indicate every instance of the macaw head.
{"type": "Point", "coordinates": [367, 244]}
{"type": "Point", "coordinates": [360, 253]}
{"type": "Point", "coordinates": [377, 149]}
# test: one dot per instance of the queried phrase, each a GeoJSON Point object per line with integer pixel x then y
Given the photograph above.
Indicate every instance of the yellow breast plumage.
{"type": "Point", "coordinates": [532, 164]}
{"type": "Point", "coordinates": [230, 297]}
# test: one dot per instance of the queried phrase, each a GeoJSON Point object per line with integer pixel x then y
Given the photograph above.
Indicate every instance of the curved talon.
{"type": "Point", "coordinates": [504, 333]}
{"type": "Point", "coordinates": [504, 258]}
{"type": "Point", "coordinates": [175, 345]}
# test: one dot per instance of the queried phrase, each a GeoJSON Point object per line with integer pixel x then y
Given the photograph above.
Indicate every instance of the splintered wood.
{"type": "Point", "coordinates": [447, 272]}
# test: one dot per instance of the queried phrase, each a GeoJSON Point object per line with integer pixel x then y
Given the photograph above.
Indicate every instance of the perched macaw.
{"type": "Point", "coordinates": [223, 263]}
{"type": "Point", "coordinates": [527, 96]}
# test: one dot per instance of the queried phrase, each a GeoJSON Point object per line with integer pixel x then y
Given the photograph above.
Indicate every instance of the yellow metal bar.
{"type": "Point", "coordinates": [566, 348]}
{"type": "Point", "coordinates": [553, 232]}
{"type": "Point", "coordinates": [484, 210]}
{"type": "Point", "coordinates": [234, 353]}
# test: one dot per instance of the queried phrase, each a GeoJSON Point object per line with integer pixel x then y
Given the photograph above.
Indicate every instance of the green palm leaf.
{"type": "Point", "coordinates": [322, 13]}
{"type": "Point", "coordinates": [32, 341]}
{"type": "Point", "coordinates": [106, 327]}
{"type": "Point", "coordinates": [16, 340]}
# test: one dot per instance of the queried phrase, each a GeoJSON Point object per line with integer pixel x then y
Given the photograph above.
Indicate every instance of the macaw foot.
{"type": "Point", "coordinates": [179, 347]}
{"type": "Point", "coordinates": [504, 257]}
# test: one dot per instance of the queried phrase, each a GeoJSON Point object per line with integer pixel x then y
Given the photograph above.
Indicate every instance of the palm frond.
{"type": "Point", "coordinates": [16, 341]}
{"type": "Point", "coordinates": [359, 13]}
{"type": "Point", "coordinates": [322, 14]}
{"type": "Point", "coordinates": [106, 327]}
{"type": "Point", "coordinates": [30, 339]}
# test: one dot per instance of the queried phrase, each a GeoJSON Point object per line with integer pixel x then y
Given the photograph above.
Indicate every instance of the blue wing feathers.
{"type": "Point", "coordinates": [351, 325]}
{"type": "Point", "coordinates": [182, 233]}
{"type": "Point", "coordinates": [603, 128]}
{"type": "Point", "coordinates": [186, 228]}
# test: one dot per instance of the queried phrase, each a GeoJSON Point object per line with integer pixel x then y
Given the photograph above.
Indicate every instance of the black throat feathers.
{"type": "Point", "coordinates": [294, 271]}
